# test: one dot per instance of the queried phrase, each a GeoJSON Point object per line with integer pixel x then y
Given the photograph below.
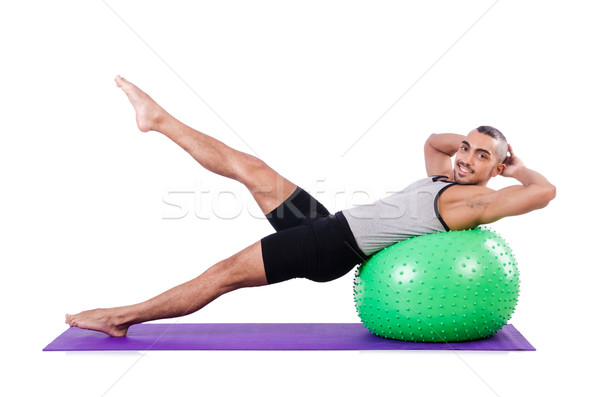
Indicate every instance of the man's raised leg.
{"type": "Point", "coordinates": [268, 188]}
{"type": "Point", "coordinates": [244, 269]}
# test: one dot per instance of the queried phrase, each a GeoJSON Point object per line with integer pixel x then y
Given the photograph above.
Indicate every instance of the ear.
{"type": "Point", "coordinates": [498, 169]}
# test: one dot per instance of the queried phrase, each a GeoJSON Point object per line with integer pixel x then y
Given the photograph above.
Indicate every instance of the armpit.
{"type": "Point", "coordinates": [478, 204]}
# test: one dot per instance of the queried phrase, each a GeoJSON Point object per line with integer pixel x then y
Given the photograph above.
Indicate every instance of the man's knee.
{"type": "Point", "coordinates": [251, 168]}
{"type": "Point", "coordinates": [244, 269]}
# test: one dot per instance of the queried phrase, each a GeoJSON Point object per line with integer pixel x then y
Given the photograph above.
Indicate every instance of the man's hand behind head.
{"type": "Point", "coordinates": [513, 164]}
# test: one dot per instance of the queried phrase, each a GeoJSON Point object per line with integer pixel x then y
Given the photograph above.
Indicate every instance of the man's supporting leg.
{"type": "Point", "coordinates": [244, 269]}
{"type": "Point", "coordinates": [268, 188]}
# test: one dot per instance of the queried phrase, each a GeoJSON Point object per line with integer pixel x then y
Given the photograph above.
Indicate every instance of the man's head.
{"type": "Point", "coordinates": [480, 156]}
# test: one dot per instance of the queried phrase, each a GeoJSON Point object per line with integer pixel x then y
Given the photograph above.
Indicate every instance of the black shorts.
{"type": "Point", "coordinates": [310, 242]}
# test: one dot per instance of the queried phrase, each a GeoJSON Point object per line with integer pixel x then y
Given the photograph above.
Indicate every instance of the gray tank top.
{"type": "Point", "coordinates": [408, 213]}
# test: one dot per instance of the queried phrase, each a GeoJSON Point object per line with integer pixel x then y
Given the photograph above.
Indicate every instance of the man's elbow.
{"type": "Point", "coordinates": [429, 140]}
{"type": "Point", "coordinates": [552, 192]}
{"type": "Point", "coordinates": [547, 194]}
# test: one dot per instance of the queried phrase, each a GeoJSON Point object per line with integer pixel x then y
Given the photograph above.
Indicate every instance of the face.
{"type": "Point", "coordinates": [476, 160]}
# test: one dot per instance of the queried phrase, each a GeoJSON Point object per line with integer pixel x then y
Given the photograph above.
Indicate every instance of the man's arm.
{"type": "Point", "coordinates": [439, 149]}
{"type": "Point", "coordinates": [535, 193]}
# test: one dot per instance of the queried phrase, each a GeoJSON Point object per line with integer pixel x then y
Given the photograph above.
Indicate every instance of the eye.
{"type": "Point", "coordinates": [464, 148]}
{"type": "Point", "coordinates": [482, 156]}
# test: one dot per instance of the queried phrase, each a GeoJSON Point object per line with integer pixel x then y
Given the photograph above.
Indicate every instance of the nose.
{"type": "Point", "coordinates": [468, 160]}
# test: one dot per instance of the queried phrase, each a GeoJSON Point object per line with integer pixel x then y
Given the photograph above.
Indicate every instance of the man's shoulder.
{"type": "Point", "coordinates": [463, 192]}
{"type": "Point", "coordinates": [460, 205]}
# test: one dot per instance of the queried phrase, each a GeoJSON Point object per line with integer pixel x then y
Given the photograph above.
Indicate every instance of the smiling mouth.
{"type": "Point", "coordinates": [464, 170]}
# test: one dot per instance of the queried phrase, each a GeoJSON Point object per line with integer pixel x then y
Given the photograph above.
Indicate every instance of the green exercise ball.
{"type": "Point", "coordinates": [442, 287]}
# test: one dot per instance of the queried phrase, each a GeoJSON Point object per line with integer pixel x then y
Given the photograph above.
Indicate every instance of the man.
{"type": "Point", "coordinates": [312, 243]}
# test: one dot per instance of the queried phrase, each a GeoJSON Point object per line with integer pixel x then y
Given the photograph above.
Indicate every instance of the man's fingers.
{"type": "Point", "coordinates": [510, 155]}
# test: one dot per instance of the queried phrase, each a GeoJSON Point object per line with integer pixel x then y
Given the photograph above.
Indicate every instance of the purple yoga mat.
{"type": "Point", "coordinates": [267, 336]}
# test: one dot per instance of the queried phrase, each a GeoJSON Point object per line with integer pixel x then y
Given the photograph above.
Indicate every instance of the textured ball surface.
{"type": "Point", "coordinates": [442, 287]}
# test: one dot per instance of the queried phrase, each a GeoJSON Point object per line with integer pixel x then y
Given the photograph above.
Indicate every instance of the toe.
{"type": "Point", "coordinates": [120, 81]}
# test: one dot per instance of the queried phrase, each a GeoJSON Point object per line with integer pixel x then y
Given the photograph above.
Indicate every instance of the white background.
{"type": "Point", "coordinates": [296, 83]}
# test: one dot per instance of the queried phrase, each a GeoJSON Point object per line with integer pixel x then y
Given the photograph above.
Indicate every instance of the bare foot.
{"type": "Point", "coordinates": [102, 320]}
{"type": "Point", "coordinates": [148, 114]}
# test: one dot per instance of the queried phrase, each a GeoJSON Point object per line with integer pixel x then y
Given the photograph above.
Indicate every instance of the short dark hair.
{"type": "Point", "coordinates": [502, 144]}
